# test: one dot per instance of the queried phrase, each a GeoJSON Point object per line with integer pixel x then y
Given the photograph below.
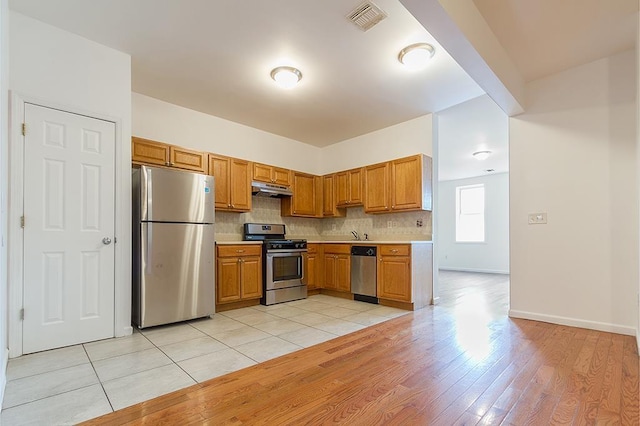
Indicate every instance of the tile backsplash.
{"type": "Point", "coordinates": [403, 226]}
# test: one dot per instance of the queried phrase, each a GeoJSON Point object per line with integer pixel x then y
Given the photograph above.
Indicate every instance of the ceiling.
{"type": "Point", "coordinates": [543, 37]}
{"type": "Point", "coordinates": [475, 125]}
{"type": "Point", "coordinates": [216, 56]}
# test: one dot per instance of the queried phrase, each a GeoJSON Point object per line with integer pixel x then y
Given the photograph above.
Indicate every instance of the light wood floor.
{"type": "Point", "coordinates": [462, 362]}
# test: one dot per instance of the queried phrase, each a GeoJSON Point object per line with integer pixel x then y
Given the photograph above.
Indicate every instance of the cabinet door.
{"type": "Point", "coordinates": [376, 181]}
{"type": "Point", "coordinates": [304, 195]}
{"type": "Point", "coordinates": [251, 277]}
{"type": "Point", "coordinates": [240, 185]}
{"type": "Point", "coordinates": [228, 283]}
{"type": "Point", "coordinates": [188, 159]}
{"type": "Point", "coordinates": [149, 152]}
{"type": "Point", "coordinates": [406, 183]}
{"type": "Point", "coordinates": [281, 176]}
{"type": "Point", "coordinates": [355, 187]}
{"type": "Point", "coordinates": [329, 197]}
{"type": "Point", "coordinates": [311, 275]}
{"type": "Point", "coordinates": [330, 272]}
{"type": "Point", "coordinates": [343, 272]}
{"type": "Point", "coordinates": [342, 189]}
{"type": "Point", "coordinates": [394, 278]}
{"type": "Point", "coordinates": [262, 172]}
{"type": "Point", "coordinates": [219, 168]}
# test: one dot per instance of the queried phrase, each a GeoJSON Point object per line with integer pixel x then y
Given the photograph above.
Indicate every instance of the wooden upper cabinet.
{"type": "Point", "coordinates": [306, 200]}
{"type": "Point", "coordinates": [399, 185]}
{"type": "Point", "coordinates": [376, 183]}
{"type": "Point", "coordinates": [240, 185]}
{"type": "Point", "coordinates": [232, 182]}
{"type": "Point", "coordinates": [188, 159]}
{"type": "Point", "coordinates": [149, 152]}
{"type": "Point", "coordinates": [271, 174]}
{"type": "Point", "coordinates": [349, 188]}
{"type": "Point", "coordinates": [145, 151]}
{"type": "Point", "coordinates": [411, 183]}
{"type": "Point", "coordinates": [329, 207]}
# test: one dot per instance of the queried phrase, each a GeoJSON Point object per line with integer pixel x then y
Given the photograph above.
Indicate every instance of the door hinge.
{"type": "Point", "coordinates": [22, 221]}
{"type": "Point", "coordinates": [24, 129]}
{"type": "Point", "coordinates": [22, 313]}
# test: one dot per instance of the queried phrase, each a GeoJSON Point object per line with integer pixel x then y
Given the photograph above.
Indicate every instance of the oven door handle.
{"type": "Point", "coordinates": [287, 251]}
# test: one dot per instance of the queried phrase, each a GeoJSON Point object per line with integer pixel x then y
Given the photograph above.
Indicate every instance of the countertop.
{"type": "Point", "coordinates": [228, 243]}
{"type": "Point", "coordinates": [361, 242]}
{"type": "Point", "coordinates": [365, 242]}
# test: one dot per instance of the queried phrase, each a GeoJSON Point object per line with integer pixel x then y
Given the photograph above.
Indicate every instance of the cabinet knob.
{"type": "Point", "coordinates": [239, 251]}
{"type": "Point", "coordinates": [167, 163]}
{"type": "Point", "coordinates": [394, 251]}
{"type": "Point", "coordinates": [232, 206]}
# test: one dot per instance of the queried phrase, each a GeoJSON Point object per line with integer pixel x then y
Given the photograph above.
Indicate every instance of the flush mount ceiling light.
{"type": "Point", "coordinates": [286, 77]}
{"type": "Point", "coordinates": [481, 155]}
{"type": "Point", "coordinates": [416, 55]}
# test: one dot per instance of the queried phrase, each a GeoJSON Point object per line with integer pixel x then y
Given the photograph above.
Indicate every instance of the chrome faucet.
{"type": "Point", "coordinates": [355, 235]}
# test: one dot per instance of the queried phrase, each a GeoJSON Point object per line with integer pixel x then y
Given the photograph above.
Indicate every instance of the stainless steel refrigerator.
{"type": "Point", "coordinates": [173, 246]}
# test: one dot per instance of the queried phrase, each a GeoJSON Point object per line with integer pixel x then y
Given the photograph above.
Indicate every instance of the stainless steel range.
{"type": "Point", "coordinates": [283, 266]}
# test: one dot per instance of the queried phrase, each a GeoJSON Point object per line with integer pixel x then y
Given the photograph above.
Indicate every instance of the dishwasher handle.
{"type": "Point", "coordinates": [370, 251]}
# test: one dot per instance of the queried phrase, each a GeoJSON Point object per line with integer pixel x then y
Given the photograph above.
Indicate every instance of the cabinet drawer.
{"type": "Point", "coordinates": [394, 250]}
{"type": "Point", "coordinates": [312, 248]}
{"type": "Point", "coordinates": [239, 250]}
{"type": "Point", "coordinates": [337, 248]}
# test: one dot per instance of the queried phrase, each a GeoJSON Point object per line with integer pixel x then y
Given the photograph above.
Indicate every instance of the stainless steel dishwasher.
{"type": "Point", "coordinates": [364, 273]}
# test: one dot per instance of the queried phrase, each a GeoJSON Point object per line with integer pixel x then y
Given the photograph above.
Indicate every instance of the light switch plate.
{"type": "Point", "coordinates": [537, 218]}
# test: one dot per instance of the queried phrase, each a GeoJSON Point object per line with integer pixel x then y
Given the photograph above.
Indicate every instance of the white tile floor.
{"type": "Point", "coordinates": [69, 385]}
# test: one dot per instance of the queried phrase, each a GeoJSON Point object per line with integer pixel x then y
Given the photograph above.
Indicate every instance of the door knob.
{"type": "Point", "coordinates": [106, 241]}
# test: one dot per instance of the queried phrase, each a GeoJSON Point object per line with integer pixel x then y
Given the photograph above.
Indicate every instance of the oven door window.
{"type": "Point", "coordinates": [283, 270]}
{"type": "Point", "coordinates": [287, 268]}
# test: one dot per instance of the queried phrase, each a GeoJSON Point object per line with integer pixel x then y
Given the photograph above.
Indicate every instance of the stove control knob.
{"type": "Point", "coordinates": [277, 246]}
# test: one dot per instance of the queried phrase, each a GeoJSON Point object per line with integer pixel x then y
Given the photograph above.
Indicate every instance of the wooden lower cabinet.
{"type": "Point", "coordinates": [394, 278]}
{"type": "Point", "coordinates": [405, 275]}
{"type": "Point", "coordinates": [238, 273]}
{"type": "Point", "coordinates": [337, 267]}
{"type": "Point", "coordinates": [312, 271]}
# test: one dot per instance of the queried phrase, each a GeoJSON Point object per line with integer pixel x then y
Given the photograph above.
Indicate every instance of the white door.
{"type": "Point", "coordinates": [69, 194]}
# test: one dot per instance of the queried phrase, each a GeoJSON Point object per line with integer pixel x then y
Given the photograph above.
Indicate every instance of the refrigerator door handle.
{"type": "Point", "coordinates": [148, 267]}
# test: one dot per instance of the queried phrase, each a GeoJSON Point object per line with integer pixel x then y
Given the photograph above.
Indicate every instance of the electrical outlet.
{"type": "Point", "coordinates": [419, 223]}
{"type": "Point", "coordinates": [395, 224]}
{"type": "Point", "coordinates": [537, 218]}
{"type": "Point", "coordinates": [389, 224]}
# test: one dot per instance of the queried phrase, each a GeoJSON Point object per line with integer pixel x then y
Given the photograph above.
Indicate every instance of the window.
{"type": "Point", "coordinates": [470, 214]}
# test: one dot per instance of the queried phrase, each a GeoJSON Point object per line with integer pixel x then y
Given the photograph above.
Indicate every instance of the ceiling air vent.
{"type": "Point", "coordinates": [366, 15]}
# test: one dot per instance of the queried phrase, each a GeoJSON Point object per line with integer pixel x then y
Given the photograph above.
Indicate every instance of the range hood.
{"type": "Point", "coordinates": [262, 189]}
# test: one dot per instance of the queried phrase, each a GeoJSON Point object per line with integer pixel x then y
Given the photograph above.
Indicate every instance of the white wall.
{"type": "Point", "coordinates": [572, 155]}
{"type": "Point", "coordinates": [402, 140]}
{"type": "Point", "coordinates": [69, 71]}
{"type": "Point", "coordinates": [4, 188]}
{"type": "Point", "coordinates": [165, 122]}
{"type": "Point", "coordinates": [493, 254]}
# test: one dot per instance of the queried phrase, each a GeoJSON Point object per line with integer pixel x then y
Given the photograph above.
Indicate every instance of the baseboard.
{"type": "Point", "coordinates": [482, 271]}
{"type": "Point", "coordinates": [126, 331]}
{"type": "Point", "coordinates": [3, 376]}
{"type": "Point", "coordinates": [574, 322]}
